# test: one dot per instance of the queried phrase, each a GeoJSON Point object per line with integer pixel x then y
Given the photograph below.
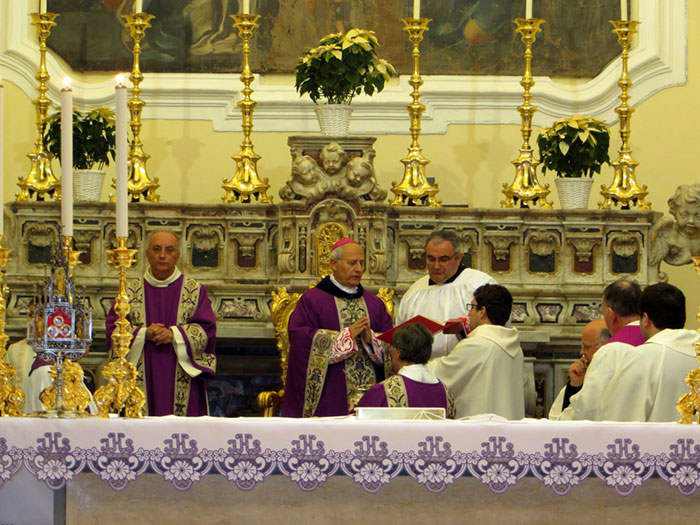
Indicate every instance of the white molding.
{"type": "Point", "coordinates": [657, 62]}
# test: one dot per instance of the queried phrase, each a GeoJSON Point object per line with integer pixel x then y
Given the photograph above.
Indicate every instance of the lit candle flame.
{"type": "Point", "coordinates": [66, 82]}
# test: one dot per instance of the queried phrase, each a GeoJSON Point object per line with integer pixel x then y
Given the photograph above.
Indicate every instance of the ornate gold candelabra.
{"type": "Point", "coordinates": [525, 188]}
{"type": "Point", "coordinates": [246, 183]}
{"type": "Point", "coordinates": [689, 404]}
{"type": "Point", "coordinates": [414, 188]}
{"type": "Point", "coordinates": [139, 183]}
{"type": "Point", "coordinates": [624, 189]}
{"type": "Point", "coordinates": [121, 390]}
{"type": "Point", "coordinates": [11, 397]}
{"type": "Point", "coordinates": [41, 179]}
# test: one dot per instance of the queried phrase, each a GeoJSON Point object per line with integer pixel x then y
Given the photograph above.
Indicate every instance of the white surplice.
{"type": "Point", "coordinates": [441, 302]}
{"type": "Point", "coordinates": [485, 373]}
{"type": "Point", "coordinates": [651, 379]}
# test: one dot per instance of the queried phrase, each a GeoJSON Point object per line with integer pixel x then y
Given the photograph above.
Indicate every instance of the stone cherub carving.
{"type": "Point", "coordinates": [349, 179]}
{"type": "Point", "coordinates": [677, 240]}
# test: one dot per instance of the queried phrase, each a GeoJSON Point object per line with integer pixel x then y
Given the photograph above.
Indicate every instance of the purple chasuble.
{"type": "Point", "coordinates": [420, 395]}
{"type": "Point", "coordinates": [315, 310]}
{"type": "Point", "coordinates": [160, 364]}
{"type": "Point", "coordinates": [630, 334]}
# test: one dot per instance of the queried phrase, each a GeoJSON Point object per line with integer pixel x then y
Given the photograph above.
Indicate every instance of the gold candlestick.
{"type": "Point", "coordinates": [41, 179]}
{"type": "Point", "coordinates": [414, 188]}
{"type": "Point", "coordinates": [624, 189]}
{"type": "Point", "coordinates": [688, 405]}
{"type": "Point", "coordinates": [525, 188]}
{"type": "Point", "coordinates": [11, 397]}
{"type": "Point", "coordinates": [139, 183]}
{"type": "Point", "coordinates": [121, 390]}
{"type": "Point", "coordinates": [246, 183]}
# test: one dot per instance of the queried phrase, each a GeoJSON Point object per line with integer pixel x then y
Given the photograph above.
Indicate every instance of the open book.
{"type": "Point", "coordinates": [432, 326]}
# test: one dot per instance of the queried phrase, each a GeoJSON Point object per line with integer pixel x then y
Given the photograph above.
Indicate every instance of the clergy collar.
{"type": "Point", "coordinates": [150, 279]}
{"type": "Point", "coordinates": [331, 286]}
{"type": "Point", "coordinates": [418, 373]}
{"type": "Point", "coordinates": [460, 269]}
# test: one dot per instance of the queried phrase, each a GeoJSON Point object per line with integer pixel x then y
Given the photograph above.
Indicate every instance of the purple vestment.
{"type": "Point", "coordinates": [419, 395]}
{"type": "Point", "coordinates": [630, 334]}
{"type": "Point", "coordinates": [185, 305]}
{"type": "Point", "coordinates": [317, 310]}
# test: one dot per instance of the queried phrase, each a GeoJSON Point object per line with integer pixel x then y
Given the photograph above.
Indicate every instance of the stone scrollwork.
{"type": "Point", "coordinates": [677, 240]}
{"type": "Point", "coordinates": [240, 308]}
{"type": "Point", "coordinates": [38, 239]}
{"type": "Point", "coordinates": [624, 252]}
{"type": "Point", "coordinates": [286, 257]}
{"type": "Point", "coordinates": [583, 248]}
{"type": "Point", "coordinates": [246, 244]}
{"type": "Point", "coordinates": [543, 242]}
{"type": "Point", "coordinates": [205, 246]}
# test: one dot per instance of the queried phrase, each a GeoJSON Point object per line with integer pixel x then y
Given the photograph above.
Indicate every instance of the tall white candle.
{"type": "Point", "coordinates": [416, 8]}
{"type": "Point", "coordinates": [246, 7]}
{"type": "Point", "coordinates": [528, 9]}
{"type": "Point", "coordinates": [120, 114]}
{"type": "Point", "coordinates": [623, 10]}
{"type": "Point", "coordinates": [138, 6]}
{"type": "Point", "coordinates": [67, 158]}
{"type": "Point", "coordinates": [42, 7]}
{"type": "Point", "coordinates": [2, 159]}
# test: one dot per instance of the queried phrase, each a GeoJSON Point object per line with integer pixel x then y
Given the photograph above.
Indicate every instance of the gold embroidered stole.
{"type": "Point", "coordinates": [359, 372]}
{"type": "Point", "coordinates": [396, 395]}
{"type": "Point", "coordinates": [189, 299]}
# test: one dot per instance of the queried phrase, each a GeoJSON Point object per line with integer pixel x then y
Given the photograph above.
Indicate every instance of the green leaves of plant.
{"type": "Point", "coordinates": [93, 138]}
{"type": "Point", "coordinates": [342, 66]}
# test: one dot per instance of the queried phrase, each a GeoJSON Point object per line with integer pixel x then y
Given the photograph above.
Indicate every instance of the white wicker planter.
{"type": "Point", "coordinates": [574, 192]}
{"type": "Point", "coordinates": [87, 185]}
{"type": "Point", "coordinates": [334, 119]}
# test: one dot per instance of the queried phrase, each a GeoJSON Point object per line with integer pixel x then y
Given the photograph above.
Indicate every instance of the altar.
{"type": "Point", "coordinates": [349, 470]}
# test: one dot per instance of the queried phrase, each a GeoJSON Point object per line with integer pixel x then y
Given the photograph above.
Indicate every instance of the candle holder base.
{"type": "Point", "coordinates": [41, 182]}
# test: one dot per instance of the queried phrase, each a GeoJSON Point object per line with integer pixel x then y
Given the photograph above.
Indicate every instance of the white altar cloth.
{"type": "Point", "coordinates": [246, 451]}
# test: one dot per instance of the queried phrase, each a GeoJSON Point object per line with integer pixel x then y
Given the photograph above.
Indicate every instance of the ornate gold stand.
{"type": "Point", "coordinates": [139, 183]}
{"type": "Point", "coordinates": [41, 179]}
{"type": "Point", "coordinates": [624, 189]}
{"type": "Point", "coordinates": [121, 390]}
{"type": "Point", "coordinates": [689, 404]}
{"type": "Point", "coordinates": [414, 188]}
{"type": "Point", "coordinates": [246, 183]}
{"type": "Point", "coordinates": [67, 397]}
{"type": "Point", "coordinates": [11, 397]}
{"type": "Point", "coordinates": [525, 189]}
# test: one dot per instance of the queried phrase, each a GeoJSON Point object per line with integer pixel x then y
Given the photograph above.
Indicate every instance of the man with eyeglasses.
{"type": "Point", "coordinates": [485, 372]}
{"type": "Point", "coordinates": [174, 333]}
{"type": "Point", "coordinates": [443, 294]}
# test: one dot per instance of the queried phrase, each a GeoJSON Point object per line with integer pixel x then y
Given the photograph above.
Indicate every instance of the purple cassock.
{"type": "Point", "coordinates": [630, 334]}
{"type": "Point", "coordinates": [184, 305]}
{"type": "Point", "coordinates": [315, 387]}
{"type": "Point", "coordinates": [418, 395]}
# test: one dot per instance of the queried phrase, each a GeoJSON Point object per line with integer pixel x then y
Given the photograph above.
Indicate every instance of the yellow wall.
{"type": "Point", "coordinates": [470, 163]}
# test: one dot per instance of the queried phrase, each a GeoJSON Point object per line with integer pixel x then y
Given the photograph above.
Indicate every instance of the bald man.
{"type": "Point", "coordinates": [595, 334]}
{"type": "Point", "coordinates": [174, 333]}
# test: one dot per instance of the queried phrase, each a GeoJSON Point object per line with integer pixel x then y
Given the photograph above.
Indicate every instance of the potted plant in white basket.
{"type": "Point", "coordinates": [93, 145]}
{"type": "Point", "coordinates": [575, 148]}
{"type": "Point", "coordinates": [341, 66]}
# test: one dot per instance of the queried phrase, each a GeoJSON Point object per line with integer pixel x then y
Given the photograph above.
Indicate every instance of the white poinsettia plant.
{"type": "Point", "coordinates": [342, 66]}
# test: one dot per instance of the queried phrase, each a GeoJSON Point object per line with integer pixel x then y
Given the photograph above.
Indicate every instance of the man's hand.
{"type": "Point", "coordinates": [159, 334]}
{"type": "Point", "coordinates": [360, 328]}
{"type": "Point", "coordinates": [577, 371]}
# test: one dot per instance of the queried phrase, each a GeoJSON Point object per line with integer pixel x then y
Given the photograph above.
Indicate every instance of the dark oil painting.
{"type": "Point", "coordinates": [465, 37]}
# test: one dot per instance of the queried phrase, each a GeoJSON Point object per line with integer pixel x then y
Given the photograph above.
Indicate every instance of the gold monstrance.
{"type": "Point", "coordinates": [525, 189]}
{"type": "Point", "coordinates": [414, 188]}
{"type": "Point", "coordinates": [41, 179]}
{"type": "Point", "coordinates": [246, 184]}
{"type": "Point", "coordinates": [624, 189]}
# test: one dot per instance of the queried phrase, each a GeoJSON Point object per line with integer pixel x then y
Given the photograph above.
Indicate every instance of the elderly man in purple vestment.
{"type": "Point", "coordinates": [413, 385]}
{"type": "Point", "coordinates": [174, 333]}
{"type": "Point", "coordinates": [335, 356]}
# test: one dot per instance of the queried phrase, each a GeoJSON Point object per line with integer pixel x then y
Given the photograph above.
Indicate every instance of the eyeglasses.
{"type": "Point", "coordinates": [443, 259]}
{"type": "Point", "coordinates": [470, 306]}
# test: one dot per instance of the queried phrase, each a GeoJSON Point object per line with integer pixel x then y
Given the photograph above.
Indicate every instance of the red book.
{"type": "Point", "coordinates": [432, 326]}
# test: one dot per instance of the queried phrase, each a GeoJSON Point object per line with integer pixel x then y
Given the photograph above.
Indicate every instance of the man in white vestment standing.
{"type": "Point", "coordinates": [652, 378]}
{"type": "Point", "coordinates": [620, 307]}
{"type": "Point", "coordinates": [446, 291]}
{"type": "Point", "coordinates": [484, 372]}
